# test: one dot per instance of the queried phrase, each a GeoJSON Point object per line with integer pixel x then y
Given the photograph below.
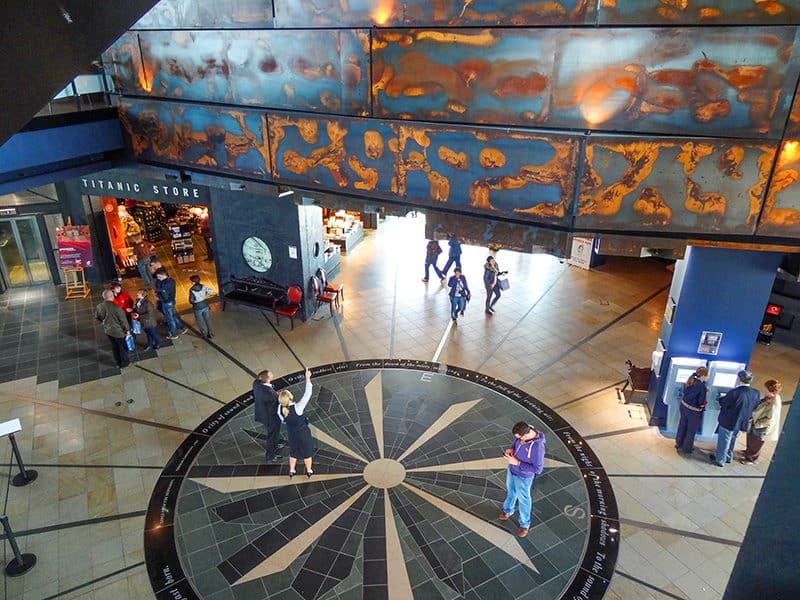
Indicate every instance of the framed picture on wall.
{"type": "Point", "coordinates": [709, 342]}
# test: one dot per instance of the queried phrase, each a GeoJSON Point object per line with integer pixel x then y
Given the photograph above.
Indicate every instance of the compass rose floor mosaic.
{"type": "Point", "coordinates": [409, 481]}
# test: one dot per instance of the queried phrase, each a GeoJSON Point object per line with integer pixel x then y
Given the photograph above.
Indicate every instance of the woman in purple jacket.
{"type": "Point", "coordinates": [525, 461]}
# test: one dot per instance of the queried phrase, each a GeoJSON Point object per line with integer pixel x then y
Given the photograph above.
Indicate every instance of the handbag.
{"type": "Point", "coordinates": [130, 343]}
{"type": "Point", "coordinates": [503, 283]}
{"type": "Point", "coordinates": [136, 327]}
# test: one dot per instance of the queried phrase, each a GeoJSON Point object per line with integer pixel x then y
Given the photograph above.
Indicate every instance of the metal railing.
{"type": "Point", "coordinates": [85, 92]}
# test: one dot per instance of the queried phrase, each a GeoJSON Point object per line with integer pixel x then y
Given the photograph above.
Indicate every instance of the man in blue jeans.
{"type": "Point", "coordinates": [198, 298]}
{"type": "Point", "coordinates": [165, 292]}
{"type": "Point", "coordinates": [454, 255]}
{"type": "Point", "coordinates": [459, 294]}
{"type": "Point", "coordinates": [735, 409]}
{"type": "Point", "coordinates": [525, 461]}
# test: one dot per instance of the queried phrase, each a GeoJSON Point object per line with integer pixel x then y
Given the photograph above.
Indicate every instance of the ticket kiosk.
{"type": "Point", "coordinates": [722, 376]}
{"type": "Point", "coordinates": [680, 368]}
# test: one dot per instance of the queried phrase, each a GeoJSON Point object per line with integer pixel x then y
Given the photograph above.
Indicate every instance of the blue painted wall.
{"type": "Point", "coordinates": [33, 149]}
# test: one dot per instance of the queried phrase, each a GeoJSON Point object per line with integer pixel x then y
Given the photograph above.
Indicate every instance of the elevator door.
{"type": "Point", "coordinates": [22, 257]}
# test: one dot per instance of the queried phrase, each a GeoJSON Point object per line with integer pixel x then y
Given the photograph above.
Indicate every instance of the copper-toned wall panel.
{"type": "Point", "coordinates": [123, 62]}
{"type": "Point", "coordinates": [512, 173]}
{"type": "Point", "coordinates": [781, 216]}
{"type": "Point", "coordinates": [793, 124]}
{"type": "Point", "coordinates": [693, 12]}
{"type": "Point", "coordinates": [203, 137]}
{"type": "Point", "coordinates": [324, 71]}
{"type": "Point", "coordinates": [704, 81]}
{"type": "Point", "coordinates": [673, 185]}
{"type": "Point", "coordinates": [211, 14]}
{"type": "Point", "coordinates": [498, 76]}
{"type": "Point", "coordinates": [427, 13]}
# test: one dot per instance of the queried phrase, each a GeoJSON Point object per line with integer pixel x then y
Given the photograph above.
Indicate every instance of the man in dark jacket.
{"type": "Point", "coordinates": [459, 293]}
{"type": "Point", "coordinates": [735, 409]}
{"type": "Point", "coordinates": [525, 461]}
{"type": "Point", "coordinates": [432, 252]}
{"type": "Point", "coordinates": [115, 326]}
{"type": "Point", "coordinates": [454, 255]}
{"type": "Point", "coordinates": [165, 292]}
{"type": "Point", "coordinates": [265, 402]}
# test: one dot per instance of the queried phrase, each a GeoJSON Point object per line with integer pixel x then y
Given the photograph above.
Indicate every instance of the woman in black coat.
{"type": "Point", "coordinates": [301, 445]}
{"type": "Point", "coordinates": [693, 404]}
{"type": "Point", "coordinates": [491, 281]}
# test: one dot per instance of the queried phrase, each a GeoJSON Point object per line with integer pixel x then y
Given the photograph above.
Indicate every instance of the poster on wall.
{"type": "Point", "coordinates": [74, 246]}
{"type": "Point", "coordinates": [709, 342]}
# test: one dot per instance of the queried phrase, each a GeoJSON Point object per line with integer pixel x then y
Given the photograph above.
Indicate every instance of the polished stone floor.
{"type": "Point", "coordinates": [560, 334]}
{"type": "Point", "coordinates": [407, 486]}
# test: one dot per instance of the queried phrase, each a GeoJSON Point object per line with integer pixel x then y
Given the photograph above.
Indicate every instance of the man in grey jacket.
{"type": "Point", "coordinates": [115, 326]}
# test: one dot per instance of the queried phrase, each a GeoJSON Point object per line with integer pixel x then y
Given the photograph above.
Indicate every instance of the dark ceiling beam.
{"type": "Point", "coordinates": [45, 43]}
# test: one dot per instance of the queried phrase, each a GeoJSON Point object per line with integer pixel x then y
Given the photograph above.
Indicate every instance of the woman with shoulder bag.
{"type": "Point", "coordinates": [492, 283]}
{"type": "Point", "coordinates": [764, 423]}
{"type": "Point", "coordinates": [146, 315]}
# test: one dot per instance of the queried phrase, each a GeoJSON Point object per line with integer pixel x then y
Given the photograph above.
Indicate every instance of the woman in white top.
{"type": "Point", "coordinates": [300, 443]}
{"type": "Point", "coordinates": [765, 422]}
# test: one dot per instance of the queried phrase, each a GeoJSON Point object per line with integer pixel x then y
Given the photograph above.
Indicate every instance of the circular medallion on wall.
{"type": "Point", "coordinates": [256, 254]}
{"type": "Point", "coordinates": [409, 480]}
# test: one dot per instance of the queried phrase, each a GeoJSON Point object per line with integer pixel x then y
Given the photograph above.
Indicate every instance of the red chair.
{"type": "Point", "coordinates": [330, 286]}
{"type": "Point", "coordinates": [322, 297]}
{"type": "Point", "coordinates": [295, 296]}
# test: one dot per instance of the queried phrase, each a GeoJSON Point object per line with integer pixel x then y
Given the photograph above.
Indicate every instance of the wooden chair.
{"type": "Point", "coordinates": [295, 296]}
{"type": "Point", "coordinates": [330, 286]}
{"type": "Point", "coordinates": [322, 296]}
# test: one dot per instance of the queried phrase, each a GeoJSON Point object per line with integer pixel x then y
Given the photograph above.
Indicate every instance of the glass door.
{"type": "Point", "coordinates": [22, 258]}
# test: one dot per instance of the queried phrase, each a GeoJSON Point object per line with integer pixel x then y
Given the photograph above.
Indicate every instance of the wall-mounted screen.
{"type": "Point", "coordinates": [682, 375]}
{"type": "Point", "coordinates": [724, 380]}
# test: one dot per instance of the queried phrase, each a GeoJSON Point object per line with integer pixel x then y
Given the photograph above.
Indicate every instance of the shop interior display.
{"type": "Point", "coordinates": [155, 222]}
{"type": "Point", "coordinates": [343, 228]}
{"type": "Point", "coordinates": [122, 228]}
{"type": "Point", "coordinates": [182, 244]}
{"type": "Point", "coordinates": [150, 218]}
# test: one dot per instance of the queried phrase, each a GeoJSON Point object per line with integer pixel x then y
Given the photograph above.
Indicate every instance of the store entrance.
{"type": "Point", "coordinates": [22, 256]}
{"type": "Point", "coordinates": [180, 234]}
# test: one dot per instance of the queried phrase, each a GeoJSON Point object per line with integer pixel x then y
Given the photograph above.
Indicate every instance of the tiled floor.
{"type": "Point", "coordinates": [409, 451]}
{"type": "Point", "coordinates": [43, 335]}
{"type": "Point", "coordinates": [560, 333]}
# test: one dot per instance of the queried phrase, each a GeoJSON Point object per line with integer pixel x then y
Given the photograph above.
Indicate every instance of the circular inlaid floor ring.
{"type": "Point", "coordinates": [408, 481]}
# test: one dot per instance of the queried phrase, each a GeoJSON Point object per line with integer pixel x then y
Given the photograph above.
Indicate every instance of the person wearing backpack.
{"type": "Point", "coordinates": [525, 461]}
{"type": "Point", "coordinates": [198, 298]}
{"type": "Point", "coordinates": [432, 252]}
{"type": "Point", "coordinates": [115, 326]}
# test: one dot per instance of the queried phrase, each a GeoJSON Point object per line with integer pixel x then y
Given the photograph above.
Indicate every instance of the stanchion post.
{"type": "Point", "coordinates": [21, 563]}
{"type": "Point", "coordinates": [23, 477]}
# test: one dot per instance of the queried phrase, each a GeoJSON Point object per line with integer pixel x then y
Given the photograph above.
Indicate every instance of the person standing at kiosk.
{"type": "Point", "coordinates": [764, 423]}
{"type": "Point", "coordinates": [693, 404]}
{"type": "Point", "coordinates": [735, 409]}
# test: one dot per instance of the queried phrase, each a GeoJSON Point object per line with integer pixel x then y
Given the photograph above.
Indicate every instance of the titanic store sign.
{"type": "Point", "coordinates": [142, 189]}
